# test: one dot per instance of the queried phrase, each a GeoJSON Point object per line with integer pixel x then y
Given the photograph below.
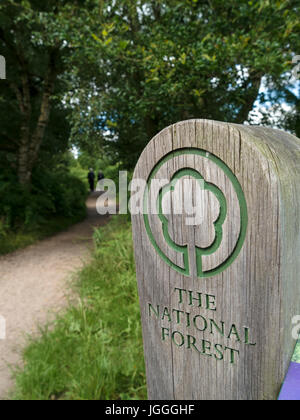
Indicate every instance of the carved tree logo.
{"type": "Point", "coordinates": [203, 235]}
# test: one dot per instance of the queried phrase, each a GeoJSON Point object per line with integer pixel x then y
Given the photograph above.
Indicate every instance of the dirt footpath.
{"type": "Point", "coordinates": [33, 285]}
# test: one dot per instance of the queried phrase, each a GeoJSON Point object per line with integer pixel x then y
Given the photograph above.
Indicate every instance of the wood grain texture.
{"type": "Point", "coordinates": [253, 300]}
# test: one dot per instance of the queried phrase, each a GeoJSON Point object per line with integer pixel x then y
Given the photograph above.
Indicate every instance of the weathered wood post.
{"type": "Point", "coordinates": [218, 259]}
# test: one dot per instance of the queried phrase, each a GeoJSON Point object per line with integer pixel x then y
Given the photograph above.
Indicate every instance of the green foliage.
{"type": "Point", "coordinates": [155, 63]}
{"type": "Point", "coordinates": [94, 351]}
{"type": "Point", "coordinates": [99, 162]}
{"type": "Point", "coordinates": [77, 171]}
{"type": "Point", "coordinates": [56, 199]}
{"type": "Point", "coordinates": [291, 118]}
{"type": "Point", "coordinates": [33, 126]}
{"type": "Point", "coordinates": [108, 168]}
{"type": "Point", "coordinates": [125, 69]}
{"type": "Point", "coordinates": [51, 194]}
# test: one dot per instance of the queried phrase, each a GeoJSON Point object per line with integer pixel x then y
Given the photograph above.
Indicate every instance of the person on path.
{"type": "Point", "coordinates": [100, 176]}
{"type": "Point", "coordinates": [91, 178]}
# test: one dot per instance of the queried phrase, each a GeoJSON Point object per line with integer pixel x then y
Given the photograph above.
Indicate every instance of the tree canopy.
{"type": "Point", "coordinates": [32, 39]}
{"type": "Point", "coordinates": [152, 63]}
{"type": "Point", "coordinates": [114, 73]}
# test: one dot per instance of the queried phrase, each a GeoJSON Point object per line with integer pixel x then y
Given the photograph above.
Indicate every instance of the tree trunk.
{"type": "Point", "coordinates": [24, 171]}
{"type": "Point", "coordinates": [23, 97]}
{"type": "Point", "coordinates": [30, 143]}
{"type": "Point", "coordinates": [43, 120]}
{"type": "Point", "coordinates": [24, 174]}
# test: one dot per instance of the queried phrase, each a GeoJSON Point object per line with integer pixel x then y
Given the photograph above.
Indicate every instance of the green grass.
{"type": "Point", "coordinates": [11, 241]}
{"type": "Point", "coordinates": [94, 351]}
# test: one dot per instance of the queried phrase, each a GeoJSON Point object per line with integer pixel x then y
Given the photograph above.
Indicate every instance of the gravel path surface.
{"type": "Point", "coordinates": [34, 285]}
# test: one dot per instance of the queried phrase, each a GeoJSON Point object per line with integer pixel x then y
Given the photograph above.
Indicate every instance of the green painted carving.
{"type": "Point", "coordinates": [217, 224]}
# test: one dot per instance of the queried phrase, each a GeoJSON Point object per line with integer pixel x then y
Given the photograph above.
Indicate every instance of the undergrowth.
{"type": "Point", "coordinates": [94, 350]}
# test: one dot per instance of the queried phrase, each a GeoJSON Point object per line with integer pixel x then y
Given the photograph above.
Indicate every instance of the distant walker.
{"type": "Point", "coordinates": [91, 179]}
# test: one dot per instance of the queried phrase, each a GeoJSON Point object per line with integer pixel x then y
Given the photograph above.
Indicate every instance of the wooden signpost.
{"type": "Point", "coordinates": [217, 248]}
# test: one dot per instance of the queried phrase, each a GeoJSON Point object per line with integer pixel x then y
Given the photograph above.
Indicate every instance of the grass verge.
{"type": "Point", "coordinates": [93, 351]}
